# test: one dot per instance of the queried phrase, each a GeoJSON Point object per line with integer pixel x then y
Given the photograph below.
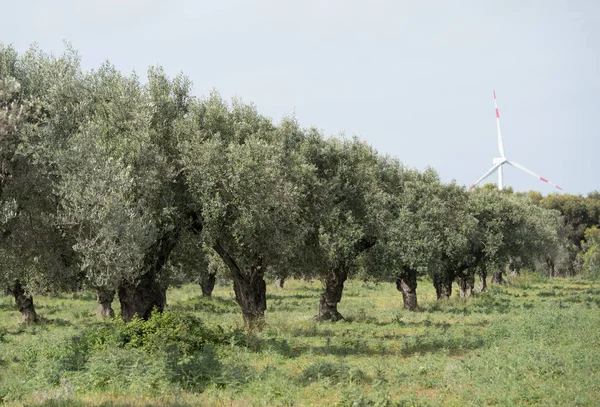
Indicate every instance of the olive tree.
{"type": "Point", "coordinates": [340, 214]}
{"type": "Point", "coordinates": [241, 176]}
{"type": "Point", "coordinates": [121, 188]}
{"type": "Point", "coordinates": [13, 177]}
{"type": "Point", "coordinates": [511, 229]}
{"type": "Point", "coordinates": [578, 214]}
{"type": "Point", "coordinates": [34, 255]}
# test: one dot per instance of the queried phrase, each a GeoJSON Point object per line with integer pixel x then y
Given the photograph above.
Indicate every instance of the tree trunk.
{"type": "Point", "coordinates": [515, 272]}
{"type": "Point", "coordinates": [466, 284]}
{"type": "Point", "coordinates": [251, 295]}
{"type": "Point", "coordinates": [551, 268]}
{"type": "Point", "coordinates": [105, 299]}
{"type": "Point", "coordinates": [497, 278]}
{"type": "Point", "coordinates": [482, 281]}
{"type": "Point", "coordinates": [140, 299]}
{"type": "Point", "coordinates": [406, 283]}
{"type": "Point", "coordinates": [443, 286]}
{"type": "Point", "coordinates": [279, 282]}
{"type": "Point", "coordinates": [24, 304]}
{"type": "Point", "coordinates": [332, 295]}
{"type": "Point", "coordinates": [250, 290]}
{"type": "Point", "coordinates": [142, 296]}
{"type": "Point", "coordinates": [208, 284]}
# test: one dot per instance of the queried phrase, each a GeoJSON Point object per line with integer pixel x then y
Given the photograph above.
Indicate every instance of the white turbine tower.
{"type": "Point", "coordinates": [500, 161]}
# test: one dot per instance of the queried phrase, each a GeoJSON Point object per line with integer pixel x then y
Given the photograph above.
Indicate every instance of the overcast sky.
{"type": "Point", "coordinates": [413, 78]}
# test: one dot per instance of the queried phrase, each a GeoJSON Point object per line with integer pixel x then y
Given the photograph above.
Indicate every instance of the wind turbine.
{"type": "Point", "coordinates": [500, 161]}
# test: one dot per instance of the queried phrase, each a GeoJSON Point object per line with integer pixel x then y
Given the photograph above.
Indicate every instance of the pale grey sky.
{"type": "Point", "coordinates": [413, 78]}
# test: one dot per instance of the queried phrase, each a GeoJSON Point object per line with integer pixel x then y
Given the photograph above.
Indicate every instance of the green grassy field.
{"type": "Point", "coordinates": [533, 342]}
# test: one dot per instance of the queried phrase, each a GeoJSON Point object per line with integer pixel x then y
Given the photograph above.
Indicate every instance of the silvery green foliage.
{"type": "Point", "coordinates": [11, 116]}
{"type": "Point", "coordinates": [511, 228]}
{"type": "Point", "coordinates": [11, 119]}
{"type": "Point", "coordinates": [439, 228]}
{"type": "Point", "coordinates": [31, 247]}
{"type": "Point", "coordinates": [578, 214]}
{"type": "Point", "coordinates": [112, 230]}
{"type": "Point", "coordinates": [342, 210]}
{"type": "Point", "coordinates": [191, 261]}
{"type": "Point", "coordinates": [118, 173]}
{"type": "Point", "coordinates": [427, 224]}
{"type": "Point", "coordinates": [240, 178]}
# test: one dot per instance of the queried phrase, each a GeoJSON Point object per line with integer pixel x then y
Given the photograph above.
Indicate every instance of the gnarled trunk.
{"type": "Point", "coordinates": [141, 298]}
{"type": "Point", "coordinates": [208, 284]}
{"type": "Point", "coordinates": [443, 286]}
{"type": "Point", "coordinates": [250, 289]}
{"type": "Point", "coordinates": [551, 267]}
{"type": "Point", "coordinates": [482, 281]}
{"type": "Point", "coordinates": [24, 303]}
{"type": "Point", "coordinates": [335, 279]}
{"type": "Point", "coordinates": [251, 295]}
{"type": "Point", "coordinates": [332, 295]}
{"type": "Point", "coordinates": [146, 293]}
{"type": "Point", "coordinates": [466, 282]}
{"type": "Point", "coordinates": [406, 283]}
{"type": "Point", "coordinates": [279, 282]}
{"type": "Point", "coordinates": [105, 299]}
{"type": "Point", "coordinates": [497, 278]}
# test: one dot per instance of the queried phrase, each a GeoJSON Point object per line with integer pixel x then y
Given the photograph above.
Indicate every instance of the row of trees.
{"type": "Point", "coordinates": [126, 187]}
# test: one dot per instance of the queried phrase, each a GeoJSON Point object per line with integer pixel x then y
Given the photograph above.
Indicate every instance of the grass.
{"type": "Point", "coordinates": [533, 342]}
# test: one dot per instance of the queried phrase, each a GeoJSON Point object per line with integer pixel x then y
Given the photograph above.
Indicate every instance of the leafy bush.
{"type": "Point", "coordinates": [162, 331]}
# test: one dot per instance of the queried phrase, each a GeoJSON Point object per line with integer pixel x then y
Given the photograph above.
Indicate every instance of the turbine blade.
{"type": "Point", "coordinates": [520, 167]}
{"type": "Point", "coordinates": [500, 143]}
{"type": "Point", "coordinates": [490, 171]}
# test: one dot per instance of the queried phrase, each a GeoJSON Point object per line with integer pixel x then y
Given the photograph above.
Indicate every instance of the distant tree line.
{"type": "Point", "coordinates": [125, 187]}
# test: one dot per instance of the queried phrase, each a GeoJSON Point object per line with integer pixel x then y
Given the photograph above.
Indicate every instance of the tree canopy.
{"type": "Point", "coordinates": [125, 185]}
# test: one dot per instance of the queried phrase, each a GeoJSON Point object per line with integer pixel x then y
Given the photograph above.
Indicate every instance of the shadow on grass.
{"type": "Point", "coordinates": [77, 295]}
{"type": "Point", "coordinates": [312, 332]}
{"type": "Point", "coordinates": [214, 305]}
{"type": "Point", "coordinates": [316, 289]}
{"type": "Point", "coordinates": [454, 346]}
{"type": "Point", "coordinates": [401, 322]}
{"type": "Point", "coordinates": [349, 346]}
{"type": "Point", "coordinates": [44, 321]}
{"type": "Point", "coordinates": [291, 296]}
{"type": "Point", "coordinates": [357, 346]}
{"type": "Point", "coordinates": [411, 345]}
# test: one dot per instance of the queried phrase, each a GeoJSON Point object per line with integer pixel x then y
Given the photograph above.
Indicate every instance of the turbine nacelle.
{"type": "Point", "coordinates": [499, 160]}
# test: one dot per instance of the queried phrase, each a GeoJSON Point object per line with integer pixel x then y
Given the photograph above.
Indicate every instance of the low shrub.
{"type": "Point", "coordinates": [162, 331]}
